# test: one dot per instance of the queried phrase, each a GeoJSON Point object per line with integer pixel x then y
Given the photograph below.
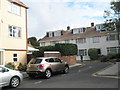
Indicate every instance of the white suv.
{"type": "Point", "coordinates": [46, 66]}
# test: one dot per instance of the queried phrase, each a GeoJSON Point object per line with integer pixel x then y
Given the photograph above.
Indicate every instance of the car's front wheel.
{"type": "Point", "coordinates": [48, 73]}
{"type": "Point", "coordinates": [15, 81]}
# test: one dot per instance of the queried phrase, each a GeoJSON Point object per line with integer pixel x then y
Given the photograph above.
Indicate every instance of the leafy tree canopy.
{"type": "Point", "coordinates": [33, 41]}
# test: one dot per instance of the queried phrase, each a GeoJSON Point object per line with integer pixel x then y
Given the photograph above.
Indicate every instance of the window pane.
{"type": "Point", "coordinates": [14, 55]}
{"type": "Point", "coordinates": [14, 59]}
{"type": "Point", "coordinates": [13, 8]}
{"type": "Point", "coordinates": [14, 31]}
{"type": "Point", "coordinates": [95, 39]}
{"type": "Point", "coordinates": [51, 60]}
{"type": "Point", "coordinates": [1, 69]}
{"type": "Point", "coordinates": [82, 52]}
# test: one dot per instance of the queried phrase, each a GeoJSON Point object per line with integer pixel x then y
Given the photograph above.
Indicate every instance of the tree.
{"type": "Point", "coordinates": [33, 41]}
{"type": "Point", "coordinates": [113, 19]}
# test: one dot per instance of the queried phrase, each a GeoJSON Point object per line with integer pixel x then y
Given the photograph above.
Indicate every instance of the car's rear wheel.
{"type": "Point", "coordinates": [66, 70]}
{"type": "Point", "coordinates": [15, 81]}
{"type": "Point", "coordinates": [48, 73]}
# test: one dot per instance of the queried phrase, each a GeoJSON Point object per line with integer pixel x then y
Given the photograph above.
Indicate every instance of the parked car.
{"type": "Point", "coordinates": [9, 77]}
{"type": "Point", "coordinates": [46, 66]}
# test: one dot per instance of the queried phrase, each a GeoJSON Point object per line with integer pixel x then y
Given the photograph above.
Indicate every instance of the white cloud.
{"type": "Point", "coordinates": [47, 15]}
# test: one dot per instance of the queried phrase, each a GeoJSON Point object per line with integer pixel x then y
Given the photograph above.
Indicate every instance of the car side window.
{"type": "Point", "coordinates": [1, 69]}
{"type": "Point", "coordinates": [51, 60]}
{"type": "Point", "coordinates": [57, 60]}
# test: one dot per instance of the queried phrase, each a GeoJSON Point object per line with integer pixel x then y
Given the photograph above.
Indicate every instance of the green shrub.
{"type": "Point", "coordinates": [103, 58]}
{"type": "Point", "coordinates": [66, 49]}
{"type": "Point", "coordinates": [40, 53]}
{"type": "Point", "coordinates": [111, 56]}
{"type": "Point", "coordinates": [22, 67]}
{"type": "Point", "coordinates": [10, 65]}
{"type": "Point", "coordinates": [92, 52]}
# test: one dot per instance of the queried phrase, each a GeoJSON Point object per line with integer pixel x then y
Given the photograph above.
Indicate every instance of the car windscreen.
{"type": "Point", "coordinates": [35, 61]}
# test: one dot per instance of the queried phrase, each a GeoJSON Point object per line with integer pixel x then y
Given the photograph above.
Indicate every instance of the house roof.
{"type": "Point", "coordinates": [67, 35]}
{"type": "Point", "coordinates": [19, 3]}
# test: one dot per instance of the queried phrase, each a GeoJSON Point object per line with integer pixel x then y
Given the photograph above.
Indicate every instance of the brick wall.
{"type": "Point", "coordinates": [69, 59]}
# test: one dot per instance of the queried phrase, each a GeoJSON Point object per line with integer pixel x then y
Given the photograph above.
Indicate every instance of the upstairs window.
{"type": "Point", "coordinates": [100, 27]}
{"type": "Point", "coordinates": [53, 42]}
{"type": "Point", "coordinates": [57, 33]}
{"type": "Point", "coordinates": [78, 30]}
{"type": "Point", "coordinates": [96, 39]}
{"type": "Point", "coordinates": [14, 31]}
{"type": "Point", "coordinates": [13, 8]}
{"type": "Point", "coordinates": [42, 44]}
{"type": "Point", "coordinates": [54, 33]}
{"type": "Point", "coordinates": [81, 40]}
{"type": "Point", "coordinates": [67, 41]}
{"type": "Point", "coordinates": [111, 37]}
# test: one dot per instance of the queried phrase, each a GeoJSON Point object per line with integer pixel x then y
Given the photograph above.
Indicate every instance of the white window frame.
{"type": "Point", "coordinates": [15, 57]}
{"type": "Point", "coordinates": [14, 8]}
{"type": "Point", "coordinates": [96, 39]}
{"type": "Point", "coordinates": [57, 33]}
{"type": "Point", "coordinates": [42, 43]}
{"type": "Point", "coordinates": [108, 37]}
{"type": "Point", "coordinates": [78, 30]}
{"type": "Point", "coordinates": [109, 50]}
{"type": "Point", "coordinates": [81, 40]}
{"type": "Point", "coordinates": [14, 31]}
{"type": "Point", "coordinates": [50, 34]}
{"type": "Point", "coordinates": [84, 52]}
{"type": "Point", "coordinates": [67, 41]}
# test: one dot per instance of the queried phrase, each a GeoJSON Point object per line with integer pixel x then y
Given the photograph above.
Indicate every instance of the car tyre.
{"type": "Point", "coordinates": [66, 70]}
{"type": "Point", "coordinates": [48, 73]}
{"type": "Point", "coordinates": [14, 82]}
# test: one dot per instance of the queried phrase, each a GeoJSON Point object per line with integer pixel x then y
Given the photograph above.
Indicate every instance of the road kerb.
{"type": "Point", "coordinates": [96, 74]}
{"type": "Point", "coordinates": [76, 65]}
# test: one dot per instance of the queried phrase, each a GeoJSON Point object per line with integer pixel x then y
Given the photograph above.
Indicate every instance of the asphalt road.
{"type": "Point", "coordinates": [78, 77]}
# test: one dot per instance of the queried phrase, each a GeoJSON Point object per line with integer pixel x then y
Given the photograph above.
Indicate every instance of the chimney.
{"type": "Point", "coordinates": [68, 27]}
{"type": "Point", "coordinates": [92, 24]}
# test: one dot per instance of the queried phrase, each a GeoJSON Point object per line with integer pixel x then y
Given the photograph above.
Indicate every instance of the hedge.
{"type": "Point", "coordinates": [66, 49]}
{"type": "Point", "coordinates": [40, 53]}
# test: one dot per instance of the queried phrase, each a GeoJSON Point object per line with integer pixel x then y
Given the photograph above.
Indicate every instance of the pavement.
{"type": "Point", "coordinates": [112, 71]}
{"type": "Point", "coordinates": [108, 72]}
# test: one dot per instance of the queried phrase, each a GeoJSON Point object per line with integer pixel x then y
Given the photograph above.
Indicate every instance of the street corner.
{"type": "Point", "coordinates": [111, 71]}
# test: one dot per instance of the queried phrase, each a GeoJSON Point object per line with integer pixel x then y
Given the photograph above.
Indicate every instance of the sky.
{"type": "Point", "coordinates": [52, 15]}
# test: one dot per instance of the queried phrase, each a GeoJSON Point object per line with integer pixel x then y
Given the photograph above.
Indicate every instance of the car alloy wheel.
{"type": "Point", "coordinates": [15, 81]}
{"type": "Point", "coordinates": [48, 73]}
